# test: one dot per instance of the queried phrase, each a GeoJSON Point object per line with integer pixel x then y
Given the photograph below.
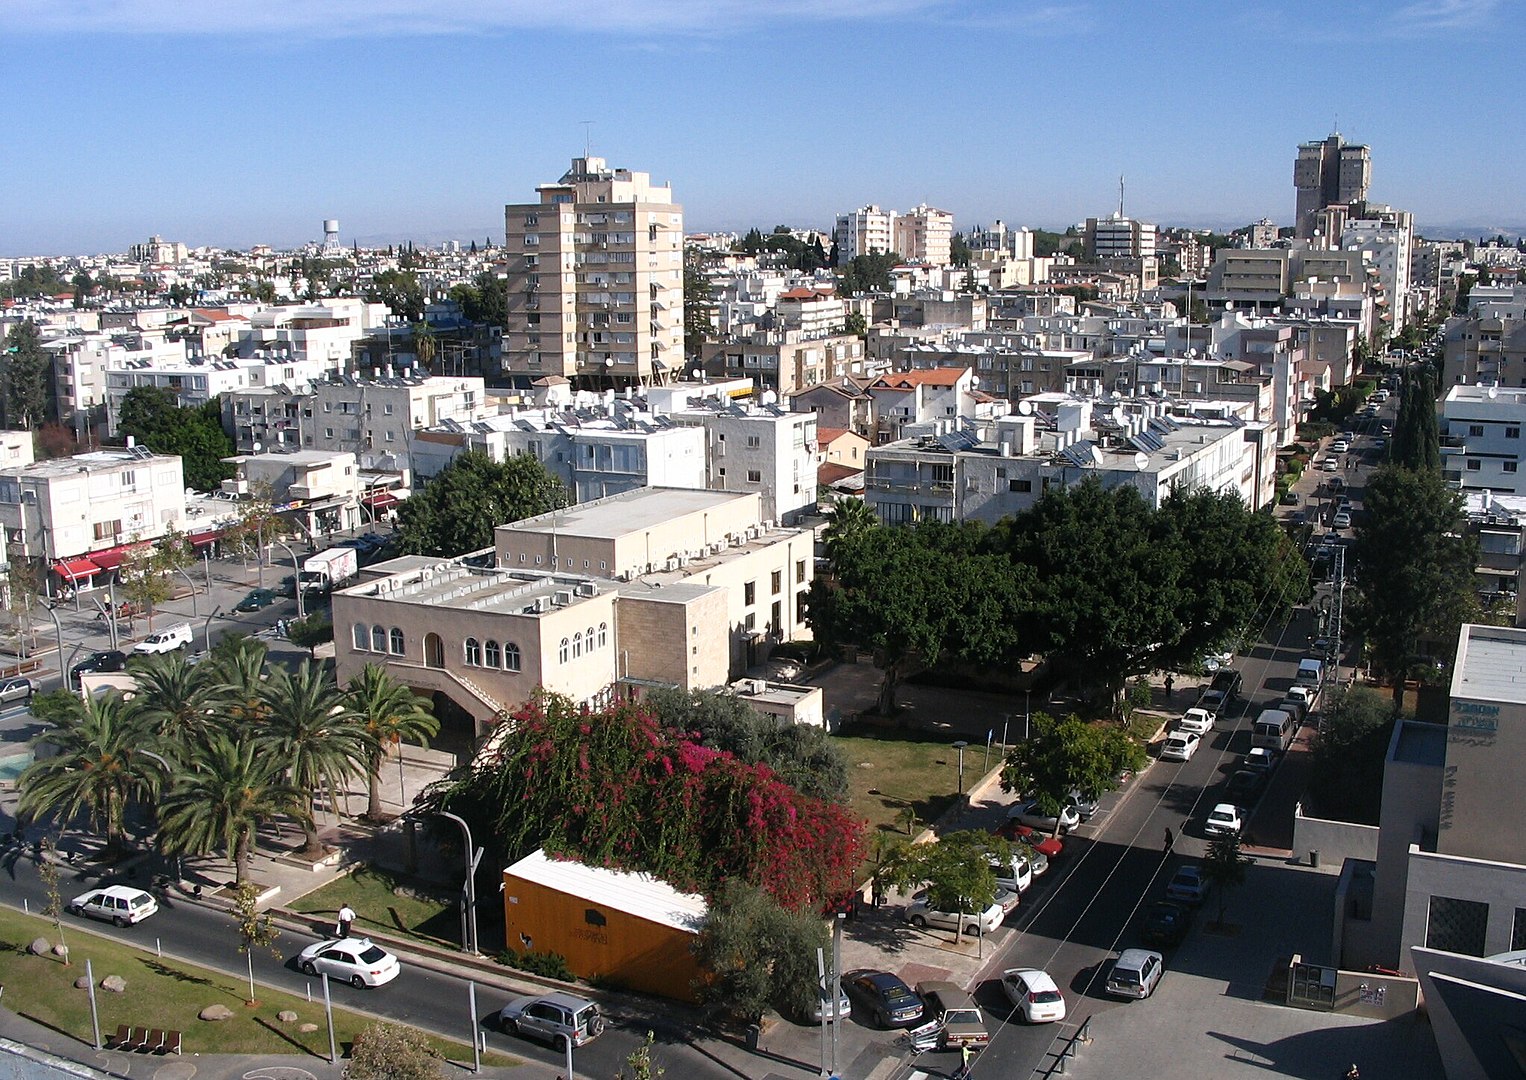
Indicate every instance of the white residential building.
{"type": "Point", "coordinates": [1385, 240]}
{"type": "Point", "coordinates": [758, 449]}
{"type": "Point", "coordinates": [865, 231]}
{"type": "Point", "coordinates": [1481, 446]}
{"type": "Point", "coordinates": [320, 492]}
{"type": "Point", "coordinates": [923, 234]}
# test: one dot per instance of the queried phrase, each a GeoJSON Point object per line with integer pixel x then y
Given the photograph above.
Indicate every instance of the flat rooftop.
{"type": "Point", "coordinates": [457, 585]}
{"type": "Point", "coordinates": [1420, 744]}
{"type": "Point", "coordinates": [95, 461]}
{"type": "Point", "coordinates": [629, 512]}
{"type": "Point", "coordinates": [640, 895]}
{"type": "Point", "coordinates": [1491, 664]}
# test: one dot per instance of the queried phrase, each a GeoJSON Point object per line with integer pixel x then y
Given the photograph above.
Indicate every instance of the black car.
{"type": "Point", "coordinates": [885, 997]}
{"type": "Point", "coordinates": [1165, 923]}
{"type": "Point", "coordinates": [110, 660]}
{"type": "Point", "coordinates": [1223, 691]}
{"type": "Point", "coordinates": [1244, 786]}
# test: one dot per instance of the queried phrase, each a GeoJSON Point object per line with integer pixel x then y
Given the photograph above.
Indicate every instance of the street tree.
{"type": "Point", "coordinates": [757, 954]}
{"type": "Point", "coordinates": [256, 930]}
{"type": "Point", "coordinates": [154, 417]}
{"type": "Point", "coordinates": [174, 699]}
{"type": "Point", "coordinates": [1224, 867]}
{"type": "Point", "coordinates": [459, 508]}
{"type": "Point", "coordinates": [1346, 774]}
{"type": "Point", "coordinates": [53, 903]}
{"type": "Point", "coordinates": [1061, 756]}
{"type": "Point", "coordinates": [391, 714]}
{"type": "Point", "coordinates": [145, 581]}
{"type": "Point", "coordinates": [955, 871]}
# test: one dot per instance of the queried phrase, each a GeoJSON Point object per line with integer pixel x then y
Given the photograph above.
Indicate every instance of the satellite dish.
{"type": "Point", "coordinates": [1025, 408]}
{"type": "Point", "coordinates": [1117, 415]}
{"type": "Point", "coordinates": [1493, 392]}
{"type": "Point", "coordinates": [609, 361]}
{"type": "Point", "coordinates": [974, 380]}
{"type": "Point", "coordinates": [1141, 461]}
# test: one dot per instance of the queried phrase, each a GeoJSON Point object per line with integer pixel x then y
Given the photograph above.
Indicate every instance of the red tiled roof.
{"type": "Point", "coordinates": [906, 380]}
{"type": "Point", "coordinates": [831, 474]}
{"type": "Point", "coordinates": [825, 435]}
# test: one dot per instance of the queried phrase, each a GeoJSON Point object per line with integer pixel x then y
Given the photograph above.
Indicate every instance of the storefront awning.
{"type": "Point", "coordinates": [75, 569]}
{"type": "Point", "coordinates": [111, 558]}
{"type": "Point", "coordinates": [381, 500]}
{"type": "Point", "coordinates": [202, 539]}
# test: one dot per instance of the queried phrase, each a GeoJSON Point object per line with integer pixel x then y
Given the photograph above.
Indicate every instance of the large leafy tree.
{"type": "Point", "coordinates": [759, 954]}
{"type": "Point", "coordinates": [1060, 756]}
{"type": "Point", "coordinates": [1414, 569]}
{"type": "Point", "coordinates": [155, 418]}
{"type": "Point", "coordinates": [956, 871]}
{"type": "Point", "coordinates": [457, 511]}
{"type": "Point", "coordinates": [391, 714]}
{"type": "Point", "coordinates": [1346, 780]}
{"type": "Point", "coordinates": [218, 805]}
{"type": "Point", "coordinates": [98, 767]}
{"type": "Point", "coordinates": [399, 290]}
{"type": "Point", "coordinates": [485, 299]}
{"type": "Point", "coordinates": [26, 379]}
{"type": "Point", "coordinates": [312, 733]}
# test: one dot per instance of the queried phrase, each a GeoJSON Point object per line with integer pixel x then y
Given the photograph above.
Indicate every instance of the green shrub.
{"type": "Point", "coordinates": [548, 965]}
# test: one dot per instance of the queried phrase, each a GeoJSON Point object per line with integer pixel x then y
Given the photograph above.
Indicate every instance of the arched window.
{"type": "Point", "coordinates": [510, 656]}
{"type": "Point", "coordinates": [491, 657]}
{"type": "Point", "coordinates": [378, 639]}
{"type": "Point", "coordinates": [588, 635]}
{"type": "Point", "coordinates": [603, 634]}
{"type": "Point", "coordinates": [577, 644]}
{"type": "Point", "coordinates": [396, 644]}
{"type": "Point", "coordinates": [473, 653]}
{"type": "Point", "coordinates": [565, 651]}
{"type": "Point", "coordinates": [362, 636]}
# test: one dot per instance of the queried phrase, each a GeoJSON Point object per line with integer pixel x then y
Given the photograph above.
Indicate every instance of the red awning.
{"type": "Point", "coordinates": [111, 558]}
{"type": "Point", "coordinates": [74, 569]}
{"type": "Point", "coordinates": [380, 500]}
{"type": "Point", "coordinates": [202, 539]}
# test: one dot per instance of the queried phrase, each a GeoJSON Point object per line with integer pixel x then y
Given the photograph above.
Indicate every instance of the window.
{"type": "Point", "coordinates": [1473, 465]}
{"type": "Point", "coordinates": [1518, 931]}
{"type": "Point", "coordinates": [1019, 485]}
{"type": "Point", "coordinates": [510, 656]}
{"type": "Point", "coordinates": [1510, 466]}
{"type": "Point", "coordinates": [1475, 430]}
{"type": "Point", "coordinates": [603, 634]}
{"type": "Point", "coordinates": [473, 653]}
{"type": "Point", "coordinates": [378, 639]}
{"type": "Point", "coordinates": [754, 476]}
{"type": "Point", "coordinates": [577, 644]}
{"type": "Point", "coordinates": [395, 646]}
{"type": "Point", "coordinates": [1513, 431]}
{"type": "Point", "coordinates": [362, 636]}
{"type": "Point", "coordinates": [491, 656]}
{"type": "Point", "coordinates": [799, 569]}
{"type": "Point", "coordinates": [565, 652]}
{"type": "Point", "coordinates": [750, 593]}
{"type": "Point", "coordinates": [778, 582]}
{"type": "Point", "coordinates": [387, 409]}
{"type": "Point", "coordinates": [1457, 926]}
{"type": "Point", "coordinates": [777, 620]}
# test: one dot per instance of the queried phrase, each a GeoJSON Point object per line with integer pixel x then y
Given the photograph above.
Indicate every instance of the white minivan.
{"type": "Point", "coordinates": [1273, 729]}
{"type": "Point", "coordinates": [167, 640]}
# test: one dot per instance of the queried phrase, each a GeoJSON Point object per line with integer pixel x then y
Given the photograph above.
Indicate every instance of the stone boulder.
{"type": "Point", "coordinates": [40, 947]}
{"type": "Point", "coordinates": [61, 950]}
{"type": "Point", "coordinates": [286, 1016]}
{"type": "Point", "coordinates": [215, 1013]}
{"type": "Point", "coordinates": [307, 1029]}
{"type": "Point", "coordinates": [82, 983]}
{"type": "Point", "coordinates": [115, 983]}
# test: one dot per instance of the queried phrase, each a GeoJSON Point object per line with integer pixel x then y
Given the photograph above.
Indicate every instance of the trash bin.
{"type": "Point", "coordinates": [1313, 858]}
{"type": "Point", "coordinates": [753, 1031]}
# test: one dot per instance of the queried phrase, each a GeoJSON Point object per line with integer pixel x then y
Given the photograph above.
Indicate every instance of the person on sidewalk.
{"type": "Point", "coordinates": [1170, 686]}
{"type": "Point", "coordinates": [1170, 840]}
{"type": "Point", "coordinates": [346, 920]}
{"type": "Point", "coordinates": [966, 1058]}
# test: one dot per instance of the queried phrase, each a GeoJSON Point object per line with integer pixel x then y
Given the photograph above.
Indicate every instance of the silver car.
{"type": "Point", "coordinates": [17, 689]}
{"type": "Point", "coordinates": [557, 1018]}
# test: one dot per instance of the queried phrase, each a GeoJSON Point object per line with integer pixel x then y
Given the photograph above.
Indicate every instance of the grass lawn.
{"type": "Point", "coordinates": [890, 769]}
{"type": "Point", "coordinates": [163, 993]}
{"type": "Point", "coordinates": [370, 892]}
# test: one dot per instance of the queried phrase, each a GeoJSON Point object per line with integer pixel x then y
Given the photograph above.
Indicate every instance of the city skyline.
{"type": "Point", "coordinates": [252, 123]}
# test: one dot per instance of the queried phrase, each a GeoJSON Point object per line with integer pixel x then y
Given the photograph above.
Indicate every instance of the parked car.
{"type": "Point", "coordinates": [257, 598]}
{"type": "Point", "coordinates": [884, 997]}
{"type": "Point", "coordinates": [921, 914]}
{"type": "Point", "coordinates": [1039, 861]}
{"type": "Point", "coordinates": [1199, 721]}
{"type": "Point", "coordinates": [1342, 519]}
{"type": "Point", "coordinates": [1035, 841]}
{"type": "Point", "coordinates": [1289, 498]}
{"type": "Point", "coordinates": [1035, 994]}
{"type": "Point", "coordinates": [121, 904]}
{"type": "Point", "coordinates": [1165, 923]}
{"type": "Point", "coordinates": [825, 1008]}
{"type": "Point", "coordinates": [1245, 786]}
{"type": "Point", "coordinates": [557, 1018]}
{"type": "Point", "coordinates": [1136, 973]}
{"type": "Point", "coordinates": [98, 662]}
{"type": "Point", "coordinates": [1006, 899]}
{"type": "Point", "coordinates": [960, 1018]}
{"type": "Point", "coordinates": [1084, 805]}
{"type": "Point", "coordinates": [1179, 746]}
{"type": "Point", "coordinates": [1261, 759]}
{"type": "Point", "coordinates": [1188, 885]}
{"type": "Point", "coordinates": [354, 960]}
{"type": "Point", "coordinates": [1014, 874]}
{"type": "Point", "coordinates": [1224, 820]}
{"type": "Point", "coordinates": [18, 689]}
{"type": "Point", "coordinates": [1339, 446]}
{"type": "Point", "coordinates": [1029, 813]}
{"type": "Point", "coordinates": [1329, 464]}
{"type": "Point", "coordinates": [1223, 690]}
{"type": "Point", "coordinates": [166, 640]}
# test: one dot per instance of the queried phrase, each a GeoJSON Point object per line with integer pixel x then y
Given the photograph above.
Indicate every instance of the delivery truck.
{"type": "Point", "coordinates": [329, 569]}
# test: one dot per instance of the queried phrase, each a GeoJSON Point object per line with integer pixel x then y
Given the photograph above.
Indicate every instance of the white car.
{"type": "Point", "coordinates": [1035, 995]}
{"type": "Point", "coordinates": [1029, 813]}
{"type": "Point", "coordinates": [921, 915]}
{"type": "Point", "coordinates": [355, 960]}
{"type": "Point", "coordinates": [1016, 874]}
{"type": "Point", "coordinates": [1342, 519]}
{"type": "Point", "coordinates": [1180, 746]}
{"type": "Point", "coordinates": [1224, 820]}
{"type": "Point", "coordinates": [119, 903]}
{"type": "Point", "coordinates": [1329, 464]}
{"type": "Point", "coordinates": [1198, 721]}
{"type": "Point", "coordinates": [1339, 446]}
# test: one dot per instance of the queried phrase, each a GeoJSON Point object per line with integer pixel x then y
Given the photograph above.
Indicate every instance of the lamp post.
{"type": "Point", "coordinates": [207, 637]}
{"type": "Point", "coordinates": [58, 632]}
{"type": "Point", "coordinates": [296, 574]}
{"type": "Point", "coordinates": [195, 614]}
{"type": "Point", "coordinates": [473, 855]}
{"type": "Point", "coordinates": [960, 745]}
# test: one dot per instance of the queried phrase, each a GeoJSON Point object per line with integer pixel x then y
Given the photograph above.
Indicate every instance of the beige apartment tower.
{"type": "Point", "coordinates": [595, 280]}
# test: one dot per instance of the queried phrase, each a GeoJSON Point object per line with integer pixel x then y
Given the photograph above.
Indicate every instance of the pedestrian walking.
{"type": "Point", "coordinates": [346, 920]}
{"type": "Point", "coordinates": [1170, 685]}
{"type": "Point", "coordinates": [1170, 840]}
{"type": "Point", "coordinates": [966, 1058]}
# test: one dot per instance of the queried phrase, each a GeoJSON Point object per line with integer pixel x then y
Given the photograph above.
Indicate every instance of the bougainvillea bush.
{"type": "Point", "coordinates": [615, 789]}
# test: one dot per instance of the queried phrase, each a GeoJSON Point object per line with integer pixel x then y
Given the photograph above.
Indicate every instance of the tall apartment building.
{"type": "Point", "coordinates": [923, 234]}
{"type": "Point", "coordinates": [1385, 236]}
{"type": "Point", "coordinates": [1481, 438]}
{"type": "Point", "coordinates": [1328, 172]}
{"type": "Point", "coordinates": [1118, 237]}
{"type": "Point", "coordinates": [595, 280]}
{"type": "Point", "coordinates": [864, 231]}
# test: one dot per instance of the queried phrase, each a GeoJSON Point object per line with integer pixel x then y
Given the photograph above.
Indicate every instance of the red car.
{"type": "Point", "coordinates": [1010, 830]}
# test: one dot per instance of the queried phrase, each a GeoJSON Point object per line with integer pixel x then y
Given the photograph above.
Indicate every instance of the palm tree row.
{"type": "Point", "coordinates": [217, 749]}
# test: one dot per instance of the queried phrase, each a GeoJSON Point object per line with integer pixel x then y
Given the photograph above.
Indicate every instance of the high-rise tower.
{"type": "Point", "coordinates": [595, 280]}
{"type": "Point", "coordinates": [1328, 173]}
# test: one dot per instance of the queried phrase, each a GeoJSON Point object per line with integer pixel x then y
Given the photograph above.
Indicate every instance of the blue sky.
{"type": "Point", "coordinates": [237, 122]}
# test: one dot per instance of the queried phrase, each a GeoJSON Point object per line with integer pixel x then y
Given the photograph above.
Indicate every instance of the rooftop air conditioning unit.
{"type": "Point", "coordinates": [671, 564]}
{"type": "Point", "coordinates": [588, 588]}
{"type": "Point", "coordinates": [625, 575]}
{"type": "Point", "coordinates": [542, 603]}
{"type": "Point", "coordinates": [562, 597]}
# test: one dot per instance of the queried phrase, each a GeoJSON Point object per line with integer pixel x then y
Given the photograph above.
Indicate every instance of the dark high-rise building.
{"type": "Point", "coordinates": [1328, 173]}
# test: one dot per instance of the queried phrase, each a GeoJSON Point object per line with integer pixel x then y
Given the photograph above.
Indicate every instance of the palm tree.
{"type": "Point", "coordinates": [1224, 866]}
{"type": "Point", "coordinates": [218, 805]}
{"type": "Point", "coordinates": [312, 732]}
{"type": "Point", "coordinates": [174, 700]}
{"type": "Point", "coordinates": [98, 767]}
{"type": "Point", "coordinates": [390, 713]}
{"type": "Point", "coordinates": [848, 519]}
{"type": "Point", "coordinates": [239, 683]}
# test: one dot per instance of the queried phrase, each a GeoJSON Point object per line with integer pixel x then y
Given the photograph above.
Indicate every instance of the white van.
{"type": "Point", "coordinates": [1273, 729]}
{"type": "Point", "coordinates": [167, 640]}
{"type": "Point", "coordinates": [1311, 672]}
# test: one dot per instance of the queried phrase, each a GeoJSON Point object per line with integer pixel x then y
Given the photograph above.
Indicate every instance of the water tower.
{"type": "Point", "coordinates": [331, 234]}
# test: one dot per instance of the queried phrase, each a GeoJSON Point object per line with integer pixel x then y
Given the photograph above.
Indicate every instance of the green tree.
{"type": "Point", "coordinates": [26, 379]}
{"type": "Point", "coordinates": [699, 309]}
{"type": "Point", "coordinates": [98, 768]}
{"type": "Point", "coordinates": [458, 509]}
{"type": "Point", "coordinates": [220, 802]}
{"type": "Point", "coordinates": [84, 285]}
{"type": "Point", "coordinates": [847, 523]}
{"type": "Point", "coordinates": [145, 582]}
{"type": "Point", "coordinates": [174, 700]}
{"type": "Point", "coordinates": [53, 905]}
{"type": "Point", "coordinates": [399, 290]}
{"type": "Point", "coordinates": [311, 732]}
{"type": "Point", "coordinates": [154, 417]}
{"type": "Point", "coordinates": [485, 300]}
{"type": "Point", "coordinates": [424, 345]}
{"type": "Point", "coordinates": [1414, 563]}
{"type": "Point", "coordinates": [955, 871]}
{"type": "Point", "coordinates": [1060, 756]}
{"type": "Point", "coordinates": [1346, 778]}
{"type": "Point", "coordinates": [1417, 439]}
{"type": "Point", "coordinates": [256, 929]}
{"type": "Point", "coordinates": [640, 1063]}
{"type": "Point", "coordinates": [1224, 867]}
{"type": "Point", "coordinates": [856, 324]}
{"type": "Point", "coordinates": [867, 273]}
{"type": "Point", "coordinates": [391, 715]}
{"type": "Point", "coordinates": [311, 630]}
{"type": "Point", "coordinates": [238, 667]}
{"type": "Point", "coordinates": [758, 954]}
{"type": "Point", "coordinates": [959, 250]}
{"type": "Point", "coordinates": [392, 1052]}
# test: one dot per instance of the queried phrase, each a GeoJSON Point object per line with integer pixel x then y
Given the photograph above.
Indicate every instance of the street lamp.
{"type": "Point", "coordinates": [58, 631]}
{"type": "Point", "coordinates": [207, 637]}
{"type": "Point", "coordinates": [195, 614]}
{"type": "Point", "coordinates": [473, 856]}
{"type": "Point", "coordinates": [960, 745]}
{"type": "Point", "coordinates": [296, 575]}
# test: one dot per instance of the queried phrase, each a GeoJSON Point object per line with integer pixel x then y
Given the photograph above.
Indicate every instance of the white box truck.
{"type": "Point", "coordinates": [329, 568]}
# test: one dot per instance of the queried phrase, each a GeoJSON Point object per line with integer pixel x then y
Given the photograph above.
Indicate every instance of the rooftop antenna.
{"type": "Point", "coordinates": [1120, 196]}
{"type": "Point", "coordinates": [587, 136]}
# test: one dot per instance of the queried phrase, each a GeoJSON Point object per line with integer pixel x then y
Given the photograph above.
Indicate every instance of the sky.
{"type": "Point", "coordinates": [238, 122]}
